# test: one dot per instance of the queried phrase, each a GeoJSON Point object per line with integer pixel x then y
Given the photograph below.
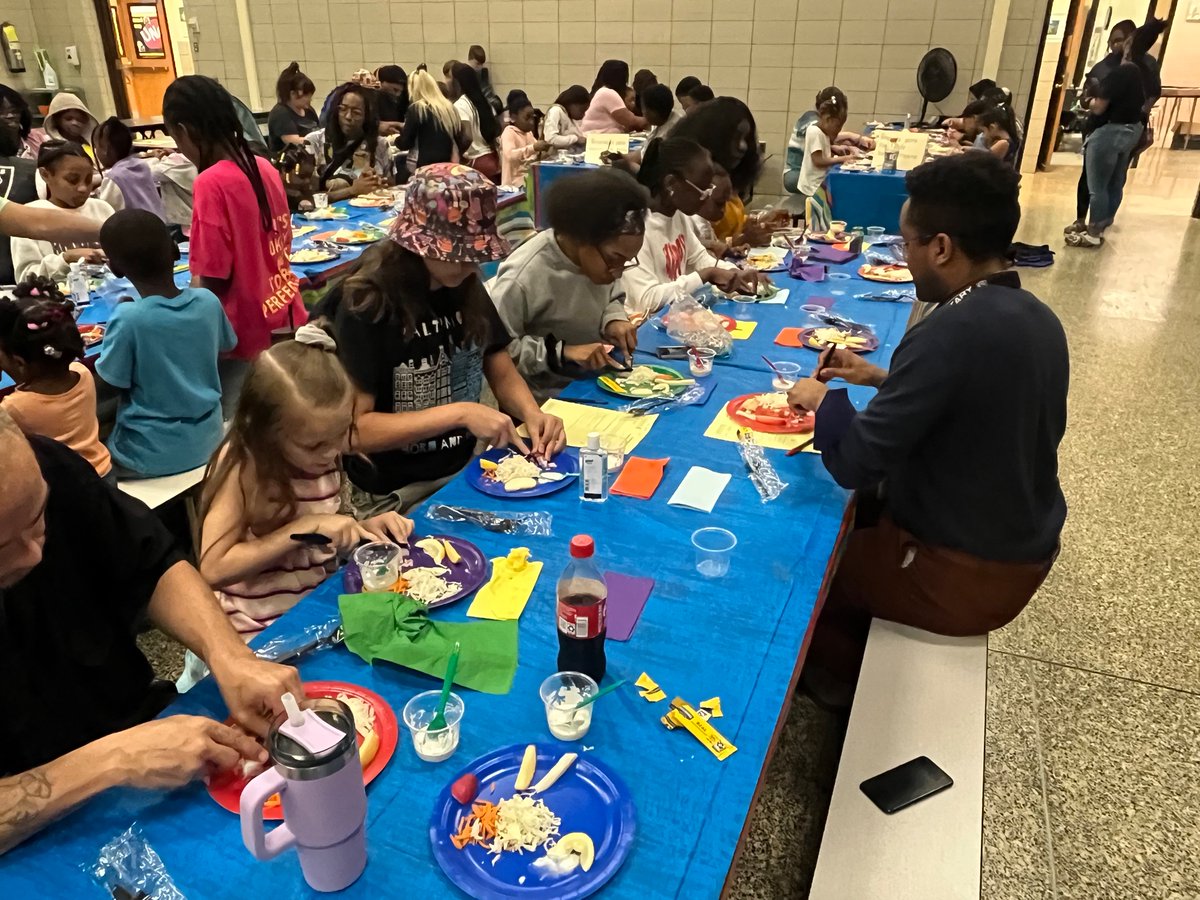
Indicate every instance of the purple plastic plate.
{"type": "Point", "coordinates": [471, 571]}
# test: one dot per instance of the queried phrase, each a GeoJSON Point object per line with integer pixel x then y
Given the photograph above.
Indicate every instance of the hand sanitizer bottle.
{"type": "Point", "coordinates": [77, 285]}
{"type": "Point", "coordinates": [593, 471]}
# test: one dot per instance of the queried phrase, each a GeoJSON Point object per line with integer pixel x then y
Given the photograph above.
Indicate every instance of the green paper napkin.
{"type": "Point", "coordinates": [398, 629]}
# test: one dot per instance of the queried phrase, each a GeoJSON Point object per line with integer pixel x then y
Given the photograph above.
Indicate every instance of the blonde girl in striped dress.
{"type": "Point", "coordinates": [278, 474]}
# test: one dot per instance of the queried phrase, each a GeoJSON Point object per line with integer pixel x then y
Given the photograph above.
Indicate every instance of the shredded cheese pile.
{"type": "Point", "coordinates": [524, 823]}
{"type": "Point", "coordinates": [426, 585]}
{"type": "Point", "coordinates": [774, 403]}
{"type": "Point", "coordinates": [364, 715]}
{"type": "Point", "coordinates": [515, 466]}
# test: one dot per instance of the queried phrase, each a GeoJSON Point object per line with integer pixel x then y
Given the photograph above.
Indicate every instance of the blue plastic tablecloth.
{"type": "Point", "coordinates": [867, 198]}
{"type": "Point", "coordinates": [739, 638]}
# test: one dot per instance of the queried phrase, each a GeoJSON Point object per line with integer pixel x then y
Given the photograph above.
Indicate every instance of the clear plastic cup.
{"type": "Point", "coordinates": [379, 564]}
{"type": "Point", "coordinates": [433, 746]}
{"type": "Point", "coordinates": [714, 548]}
{"type": "Point", "coordinates": [875, 232]}
{"type": "Point", "coordinates": [561, 693]}
{"type": "Point", "coordinates": [837, 226]}
{"type": "Point", "coordinates": [700, 361]}
{"type": "Point", "coordinates": [320, 200]}
{"type": "Point", "coordinates": [785, 376]}
{"type": "Point", "coordinates": [614, 446]}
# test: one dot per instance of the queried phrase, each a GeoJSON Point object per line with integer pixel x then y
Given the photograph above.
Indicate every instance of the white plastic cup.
{"type": "Point", "coordinates": [700, 361]}
{"type": "Point", "coordinates": [320, 200]}
{"type": "Point", "coordinates": [379, 564]}
{"type": "Point", "coordinates": [433, 746]}
{"type": "Point", "coordinates": [785, 376]}
{"type": "Point", "coordinates": [714, 549]}
{"type": "Point", "coordinates": [560, 693]}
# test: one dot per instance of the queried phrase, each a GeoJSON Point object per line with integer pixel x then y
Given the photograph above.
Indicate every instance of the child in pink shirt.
{"type": "Point", "coordinates": [519, 146]}
{"type": "Point", "coordinates": [241, 227]}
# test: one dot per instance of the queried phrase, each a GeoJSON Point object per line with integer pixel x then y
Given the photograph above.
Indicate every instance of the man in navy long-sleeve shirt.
{"type": "Point", "coordinates": [962, 437]}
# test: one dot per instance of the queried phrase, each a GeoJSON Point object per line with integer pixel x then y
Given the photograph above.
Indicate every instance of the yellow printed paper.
{"type": "Point", "coordinates": [743, 330]}
{"type": "Point", "coordinates": [581, 420]}
{"type": "Point", "coordinates": [683, 715]}
{"type": "Point", "coordinates": [604, 143]}
{"type": "Point", "coordinates": [303, 230]}
{"type": "Point", "coordinates": [723, 428]}
{"type": "Point", "coordinates": [650, 691]}
{"type": "Point", "coordinates": [505, 595]}
{"type": "Point", "coordinates": [653, 696]}
{"type": "Point", "coordinates": [911, 146]}
{"type": "Point", "coordinates": [713, 705]}
{"type": "Point", "coordinates": [645, 682]}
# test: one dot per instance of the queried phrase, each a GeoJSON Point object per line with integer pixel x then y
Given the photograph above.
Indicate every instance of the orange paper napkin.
{"type": "Point", "coordinates": [789, 337]}
{"type": "Point", "coordinates": [639, 477]}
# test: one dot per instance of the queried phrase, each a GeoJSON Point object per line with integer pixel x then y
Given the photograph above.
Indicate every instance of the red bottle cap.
{"type": "Point", "coordinates": [582, 546]}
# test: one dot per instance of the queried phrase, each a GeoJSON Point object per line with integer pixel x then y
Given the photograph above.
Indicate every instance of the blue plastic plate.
{"type": "Point", "coordinates": [566, 462]}
{"type": "Point", "coordinates": [590, 798]}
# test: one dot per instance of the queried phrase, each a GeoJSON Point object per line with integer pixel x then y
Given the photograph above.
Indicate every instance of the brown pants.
{"type": "Point", "coordinates": [887, 573]}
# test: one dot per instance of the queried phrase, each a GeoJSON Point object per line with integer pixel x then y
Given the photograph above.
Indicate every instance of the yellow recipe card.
{"type": "Point", "coordinates": [581, 421]}
{"type": "Point", "coordinates": [604, 143]}
{"type": "Point", "coordinates": [723, 428]}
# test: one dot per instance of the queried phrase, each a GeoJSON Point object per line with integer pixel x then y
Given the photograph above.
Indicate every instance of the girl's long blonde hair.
{"type": "Point", "coordinates": [305, 372]}
{"type": "Point", "coordinates": [428, 100]}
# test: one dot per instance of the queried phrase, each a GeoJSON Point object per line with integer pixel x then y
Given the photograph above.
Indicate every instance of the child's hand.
{"type": "Point", "coordinates": [343, 531]}
{"type": "Point", "coordinates": [389, 526]}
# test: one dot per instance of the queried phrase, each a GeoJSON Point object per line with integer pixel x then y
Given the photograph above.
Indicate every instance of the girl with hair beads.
{"type": "Point", "coordinates": [41, 349]}
{"type": "Point", "coordinates": [241, 226]}
{"type": "Point", "coordinates": [277, 474]}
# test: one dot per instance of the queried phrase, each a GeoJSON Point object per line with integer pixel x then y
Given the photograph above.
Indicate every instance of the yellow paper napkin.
{"type": "Point", "coordinates": [506, 593]}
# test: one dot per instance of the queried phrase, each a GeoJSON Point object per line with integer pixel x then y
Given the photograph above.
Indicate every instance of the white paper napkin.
{"type": "Point", "coordinates": [778, 300]}
{"type": "Point", "coordinates": [700, 489]}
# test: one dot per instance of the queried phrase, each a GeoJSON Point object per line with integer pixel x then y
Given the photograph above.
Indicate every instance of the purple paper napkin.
{"type": "Point", "coordinates": [807, 271]}
{"type": "Point", "coordinates": [832, 255]}
{"type": "Point", "coordinates": [627, 595]}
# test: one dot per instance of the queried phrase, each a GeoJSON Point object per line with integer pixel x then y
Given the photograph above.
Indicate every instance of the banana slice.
{"type": "Point", "coordinates": [575, 843]}
{"type": "Point", "coordinates": [368, 749]}
{"type": "Point", "coordinates": [528, 767]}
{"type": "Point", "coordinates": [452, 553]}
{"type": "Point", "coordinates": [434, 548]}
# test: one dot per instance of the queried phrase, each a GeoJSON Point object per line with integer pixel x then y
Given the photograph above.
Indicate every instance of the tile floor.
{"type": "Point", "coordinates": [1092, 772]}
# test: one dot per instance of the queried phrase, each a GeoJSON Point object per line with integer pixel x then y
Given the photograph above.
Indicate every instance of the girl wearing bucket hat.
{"type": "Point", "coordinates": [418, 334]}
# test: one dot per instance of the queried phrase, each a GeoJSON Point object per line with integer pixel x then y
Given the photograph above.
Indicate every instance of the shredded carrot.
{"type": "Point", "coordinates": [483, 813]}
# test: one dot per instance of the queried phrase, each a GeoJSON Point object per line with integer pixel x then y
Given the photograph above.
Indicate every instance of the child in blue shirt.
{"type": "Point", "coordinates": [161, 352]}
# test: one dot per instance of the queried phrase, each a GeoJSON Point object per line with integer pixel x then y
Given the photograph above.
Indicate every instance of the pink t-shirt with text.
{"type": "Point", "coordinates": [598, 117]}
{"type": "Point", "coordinates": [227, 241]}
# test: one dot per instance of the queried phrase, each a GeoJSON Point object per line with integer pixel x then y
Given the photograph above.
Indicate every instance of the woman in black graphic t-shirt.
{"type": "Point", "coordinates": [418, 334]}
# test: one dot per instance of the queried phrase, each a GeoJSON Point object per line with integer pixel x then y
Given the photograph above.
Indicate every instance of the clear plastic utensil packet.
{"type": "Point", "coordinates": [762, 474]}
{"type": "Point", "coordinates": [293, 644]}
{"type": "Point", "coordinates": [535, 523]}
{"type": "Point", "coordinates": [128, 863]}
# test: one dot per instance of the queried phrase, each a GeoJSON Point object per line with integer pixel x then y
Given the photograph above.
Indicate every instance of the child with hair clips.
{"type": "Point", "coordinates": [241, 226]}
{"type": "Point", "coordinates": [832, 110]}
{"type": "Point", "coordinates": [679, 174]}
{"type": "Point", "coordinates": [519, 145]}
{"type": "Point", "coordinates": [278, 474]}
{"type": "Point", "coordinates": [68, 173]}
{"type": "Point", "coordinates": [41, 349]}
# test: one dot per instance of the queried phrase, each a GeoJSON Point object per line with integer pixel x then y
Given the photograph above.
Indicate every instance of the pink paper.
{"type": "Point", "coordinates": [627, 596]}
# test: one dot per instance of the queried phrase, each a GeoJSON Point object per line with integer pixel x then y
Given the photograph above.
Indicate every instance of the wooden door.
{"type": "Point", "coordinates": [1072, 42]}
{"type": "Point", "coordinates": [144, 54]}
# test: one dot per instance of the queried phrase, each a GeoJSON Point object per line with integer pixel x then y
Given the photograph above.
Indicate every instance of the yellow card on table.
{"type": "Point", "coordinates": [303, 230]}
{"type": "Point", "coordinates": [581, 420]}
{"type": "Point", "coordinates": [723, 428]}
{"type": "Point", "coordinates": [505, 595]}
{"type": "Point", "coordinates": [604, 143]}
{"type": "Point", "coordinates": [743, 329]}
{"type": "Point", "coordinates": [912, 150]}
{"type": "Point", "coordinates": [713, 705]}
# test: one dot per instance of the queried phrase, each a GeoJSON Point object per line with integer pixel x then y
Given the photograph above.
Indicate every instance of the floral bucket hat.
{"type": "Point", "coordinates": [449, 213]}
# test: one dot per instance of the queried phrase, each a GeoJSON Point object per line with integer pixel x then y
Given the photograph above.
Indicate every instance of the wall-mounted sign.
{"type": "Point", "coordinates": [147, 31]}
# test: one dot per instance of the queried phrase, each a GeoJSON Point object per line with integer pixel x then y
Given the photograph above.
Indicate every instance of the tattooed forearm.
{"type": "Point", "coordinates": [23, 797]}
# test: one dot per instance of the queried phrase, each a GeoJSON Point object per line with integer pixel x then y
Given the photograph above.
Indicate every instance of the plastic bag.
{"type": "Point", "coordinates": [289, 646]}
{"type": "Point", "coordinates": [690, 396]}
{"type": "Point", "coordinates": [690, 323]}
{"type": "Point", "coordinates": [128, 863]}
{"type": "Point", "coordinates": [762, 474]}
{"type": "Point", "coordinates": [535, 523]}
{"type": "Point", "coordinates": [888, 295]}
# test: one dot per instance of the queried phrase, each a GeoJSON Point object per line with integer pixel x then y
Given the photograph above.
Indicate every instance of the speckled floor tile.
{"type": "Point", "coordinates": [1123, 785]}
{"type": "Point", "coordinates": [165, 654]}
{"type": "Point", "coordinates": [1016, 855]}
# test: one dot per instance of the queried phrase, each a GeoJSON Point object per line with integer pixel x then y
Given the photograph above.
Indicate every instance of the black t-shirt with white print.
{"type": "Point", "coordinates": [410, 373]}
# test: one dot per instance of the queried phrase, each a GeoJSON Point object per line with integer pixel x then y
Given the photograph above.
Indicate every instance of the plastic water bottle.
{"type": "Point", "coordinates": [77, 285]}
{"type": "Point", "coordinates": [582, 612]}
{"type": "Point", "coordinates": [593, 471]}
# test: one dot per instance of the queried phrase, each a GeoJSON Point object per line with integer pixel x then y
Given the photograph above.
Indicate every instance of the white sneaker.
{"type": "Point", "coordinates": [1087, 239]}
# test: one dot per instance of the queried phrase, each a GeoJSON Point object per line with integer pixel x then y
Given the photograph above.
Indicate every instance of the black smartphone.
{"type": "Point", "coordinates": [906, 784]}
{"type": "Point", "coordinates": [671, 352]}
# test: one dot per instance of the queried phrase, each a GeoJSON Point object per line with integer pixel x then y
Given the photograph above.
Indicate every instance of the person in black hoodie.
{"type": "Point", "coordinates": [17, 174]}
{"type": "Point", "coordinates": [961, 440]}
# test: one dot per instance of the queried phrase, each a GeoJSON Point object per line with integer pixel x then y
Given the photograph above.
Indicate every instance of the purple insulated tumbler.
{"type": "Point", "coordinates": [318, 777]}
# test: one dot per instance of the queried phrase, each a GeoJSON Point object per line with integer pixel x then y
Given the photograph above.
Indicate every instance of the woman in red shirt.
{"type": "Point", "coordinates": [241, 227]}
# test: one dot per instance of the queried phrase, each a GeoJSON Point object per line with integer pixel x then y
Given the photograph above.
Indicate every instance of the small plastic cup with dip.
{"type": "Point", "coordinates": [785, 375]}
{"type": "Point", "coordinates": [561, 693]}
{"type": "Point", "coordinates": [320, 200]}
{"type": "Point", "coordinates": [439, 745]}
{"type": "Point", "coordinates": [379, 564]}
{"type": "Point", "coordinates": [714, 548]}
{"type": "Point", "coordinates": [700, 361]}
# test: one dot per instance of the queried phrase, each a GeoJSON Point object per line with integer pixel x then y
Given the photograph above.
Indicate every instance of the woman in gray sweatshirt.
{"type": "Point", "coordinates": [560, 292]}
